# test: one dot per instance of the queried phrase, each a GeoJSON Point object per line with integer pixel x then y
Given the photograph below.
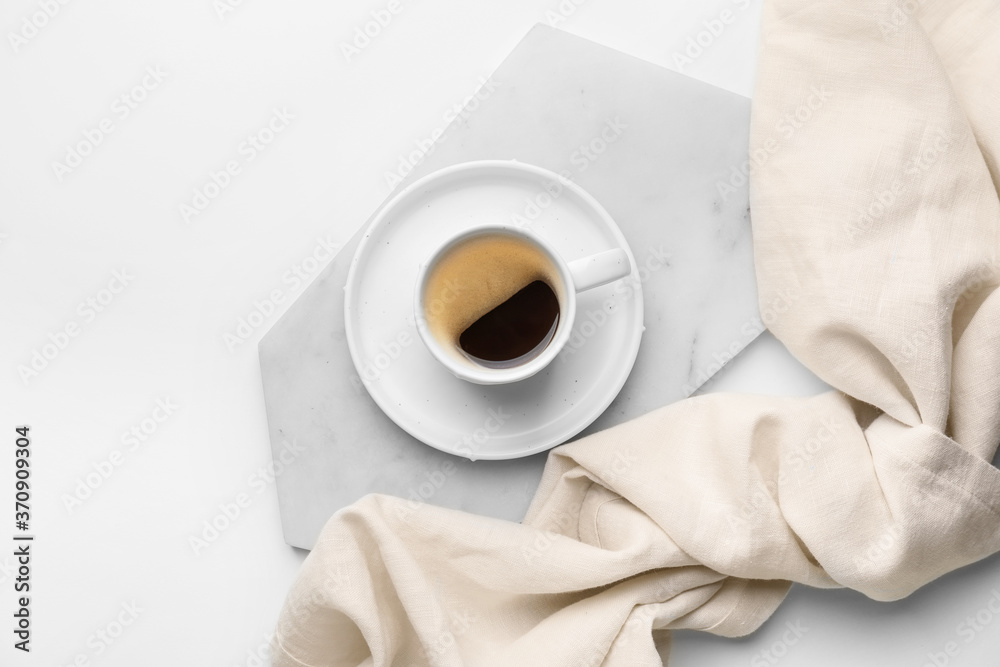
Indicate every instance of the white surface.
{"type": "Point", "coordinates": [416, 390]}
{"type": "Point", "coordinates": [263, 238]}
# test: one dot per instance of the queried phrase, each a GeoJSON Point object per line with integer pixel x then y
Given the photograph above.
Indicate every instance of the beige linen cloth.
{"type": "Point", "coordinates": [876, 139]}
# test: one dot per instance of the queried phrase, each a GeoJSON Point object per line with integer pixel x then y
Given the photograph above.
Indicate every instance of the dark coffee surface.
{"type": "Point", "coordinates": [515, 327]}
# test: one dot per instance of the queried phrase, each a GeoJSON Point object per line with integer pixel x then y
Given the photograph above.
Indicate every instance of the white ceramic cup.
{"type": "Point", "coordinates": [576, 276]}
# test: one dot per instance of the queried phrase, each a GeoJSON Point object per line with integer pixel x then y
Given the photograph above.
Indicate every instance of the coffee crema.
{"type": "Point", "coordinates": [493, 296]}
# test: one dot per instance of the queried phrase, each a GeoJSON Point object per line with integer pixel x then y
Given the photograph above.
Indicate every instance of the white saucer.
{"type": "Point", "coordinates": [413, 389]}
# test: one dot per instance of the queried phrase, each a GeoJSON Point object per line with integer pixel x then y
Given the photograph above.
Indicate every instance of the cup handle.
{"type": "Point", "coordinates": [599, 269]}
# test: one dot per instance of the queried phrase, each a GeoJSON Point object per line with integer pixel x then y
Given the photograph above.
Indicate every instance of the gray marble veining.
{"type": "Point", "coordinates": [659, 151]}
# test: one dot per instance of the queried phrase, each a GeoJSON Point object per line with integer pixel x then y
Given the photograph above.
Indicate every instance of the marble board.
{"type": "Point", "coordinates": [660, 151]}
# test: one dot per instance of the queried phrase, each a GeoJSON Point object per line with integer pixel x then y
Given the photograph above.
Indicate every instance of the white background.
{"type": "Point", "coordinates": [163, 335]}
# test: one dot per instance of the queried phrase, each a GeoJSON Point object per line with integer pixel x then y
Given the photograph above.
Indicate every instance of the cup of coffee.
{"type": "Point", "coordinates": [496, 303]}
